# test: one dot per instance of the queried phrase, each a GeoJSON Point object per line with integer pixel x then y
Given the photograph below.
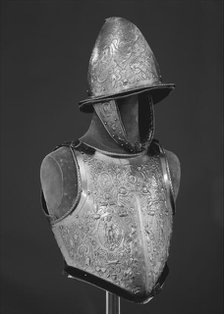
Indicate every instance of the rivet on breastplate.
{"type": "Point", "coordinates": [125, 82]}
{"type": "Point", "coordinates": [145, 190]}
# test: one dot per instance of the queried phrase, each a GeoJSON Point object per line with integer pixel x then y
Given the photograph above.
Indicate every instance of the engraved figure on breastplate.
{"type": "Point", "coordinates": [110, 195]}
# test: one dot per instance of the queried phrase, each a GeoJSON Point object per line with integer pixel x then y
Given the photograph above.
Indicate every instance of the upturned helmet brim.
{"type": "Point", "coordinates": [158, 93]}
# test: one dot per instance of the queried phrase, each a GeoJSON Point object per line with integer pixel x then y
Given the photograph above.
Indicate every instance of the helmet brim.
{"type": "Point", "coordinates": [158, 92]}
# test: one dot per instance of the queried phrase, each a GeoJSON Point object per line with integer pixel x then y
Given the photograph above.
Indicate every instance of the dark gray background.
{"type": "Point", "coordinates": [45, 51]}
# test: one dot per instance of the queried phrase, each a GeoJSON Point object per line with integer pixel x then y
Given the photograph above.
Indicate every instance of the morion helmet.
{"type": "Point", "coordinates": [122, 64]}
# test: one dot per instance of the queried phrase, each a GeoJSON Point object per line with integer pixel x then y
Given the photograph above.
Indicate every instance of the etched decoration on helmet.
{"type": "Point", "coordinates": [122, 63]}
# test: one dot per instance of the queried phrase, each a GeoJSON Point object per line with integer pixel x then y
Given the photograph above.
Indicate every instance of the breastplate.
{"type": "Point", "coordinates": [117, 232]}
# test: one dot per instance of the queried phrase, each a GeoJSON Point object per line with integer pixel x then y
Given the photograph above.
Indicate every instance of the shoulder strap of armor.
{"type": "Point", "coordinates": [72, 144]}
{"type": "Point", "coordinates": [77, 144]}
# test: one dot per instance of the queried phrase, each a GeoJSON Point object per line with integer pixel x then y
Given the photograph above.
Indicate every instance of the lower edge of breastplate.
{"type": "Point", "coordinates": [102, 284]}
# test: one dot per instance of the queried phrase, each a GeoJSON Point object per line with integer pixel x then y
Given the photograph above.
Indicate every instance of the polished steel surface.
{"type": "Point", "coordinates": [121, 228]}
{"type": "Point", "coordinates": [121, 62]}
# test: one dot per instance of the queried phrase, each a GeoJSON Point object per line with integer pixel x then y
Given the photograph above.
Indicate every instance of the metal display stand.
{"type": "Point", "coordinates": [112, 303]}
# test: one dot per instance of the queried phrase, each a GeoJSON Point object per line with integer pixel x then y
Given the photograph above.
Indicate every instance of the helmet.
{"type": "Point", "coordinates": [122, 64]}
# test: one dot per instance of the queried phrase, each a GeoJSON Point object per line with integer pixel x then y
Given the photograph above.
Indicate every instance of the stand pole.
{"type": "Point", "coordinates": [112, 303]}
